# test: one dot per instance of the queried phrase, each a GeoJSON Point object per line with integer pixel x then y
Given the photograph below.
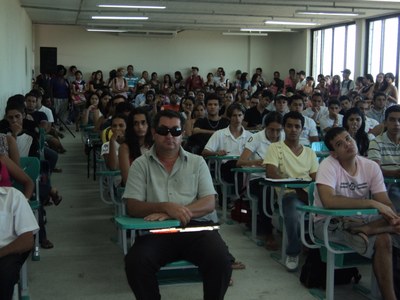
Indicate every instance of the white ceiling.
{"type": "Point", "coordinates": [221, 15]}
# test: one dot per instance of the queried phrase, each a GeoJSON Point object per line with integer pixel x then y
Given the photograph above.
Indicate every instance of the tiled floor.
{"type": "Point", "coordinates": [86, 263]}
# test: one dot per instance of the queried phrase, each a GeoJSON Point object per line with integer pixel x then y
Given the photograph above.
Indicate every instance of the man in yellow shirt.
{"type": "Point", "coordinates": [290, 159]}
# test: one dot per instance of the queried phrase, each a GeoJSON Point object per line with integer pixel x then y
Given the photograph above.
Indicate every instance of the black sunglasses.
{"type": "Point", "coordinates": [175, 131]}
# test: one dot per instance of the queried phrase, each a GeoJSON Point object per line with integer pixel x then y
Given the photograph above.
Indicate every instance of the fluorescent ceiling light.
{"type": "Point", "coordinates": [130, 6]}
{"type": "Point", "coordinates": [118, 18]}
{"type": "Point", "coordinates": [245, 33]}
{"type": "Point", "coordinates": [265, 29]}
{"type": "Point", "coordinates": [328, 13]}
{"type": "Point", "coordinates": [105, 30]}
{"type": "Point", "coordinates": [291, 23]}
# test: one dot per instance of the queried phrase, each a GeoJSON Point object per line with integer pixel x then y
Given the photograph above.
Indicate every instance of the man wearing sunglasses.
{"type": "Point", "coordinates": [169, 183]}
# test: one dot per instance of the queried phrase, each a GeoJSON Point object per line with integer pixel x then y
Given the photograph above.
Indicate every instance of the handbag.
{"type": "Point", "coordinates": [241, 211]}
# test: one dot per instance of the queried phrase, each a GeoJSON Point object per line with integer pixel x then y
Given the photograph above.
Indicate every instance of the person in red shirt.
{"type": "Point", "coordinates": [195, 81]}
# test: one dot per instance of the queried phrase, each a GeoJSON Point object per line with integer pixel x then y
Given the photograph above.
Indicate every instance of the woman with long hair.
{"type": "Point", "coordinates": [179, 82]}
{"type": "Point", "coordinates": [389, 89]}
{"type": "Point", "coordinates": [367, 92]}
{"type": "Point", "coordinates": [199, 111]}
{"type": "Point", "coordinates": [209, 85]}
{"type": "Point", "coordinates": [354, 122]}
{"type": "Point", "coordinates": [138, 139]}
{"type": "Point", "coordinates": [97, 84]}
{"type": "Point", "coordinates": [166, 86]}
{"type": "Point", "coordinates": [255, 85]}
{"type": "Point", "coordinates": [380, 78]}
{"type": "Point", "coordinates": [154, 82]}
{"type": "Point", "coordinates": [119, 85]}
{"type": "Point", "coordinates": [91, 113]}
{"type": "Point", "coordinates": [334, 87]}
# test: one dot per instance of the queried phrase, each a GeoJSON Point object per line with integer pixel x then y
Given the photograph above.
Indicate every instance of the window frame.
{"type": "Point", "coordinates": [346, 25]}
{"type": "Point", "coordinates": [367, 41]}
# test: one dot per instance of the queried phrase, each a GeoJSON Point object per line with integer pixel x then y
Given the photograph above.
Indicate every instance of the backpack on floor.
{"type": "Point", "coordinates": [313, 272]}
{"type": "Point", "coordinates": [241, 211]}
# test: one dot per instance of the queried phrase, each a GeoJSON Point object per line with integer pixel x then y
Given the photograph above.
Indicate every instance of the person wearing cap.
{"type": "Point", "coordinates": [195, 81]}
{"type": "Point", "coordinates": [347, 84]}
{"type": "Point", "coordinates": [302, 80]}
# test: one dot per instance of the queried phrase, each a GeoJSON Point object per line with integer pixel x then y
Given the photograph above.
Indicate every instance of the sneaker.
{"type": "Point", "coordinates": [292, 263]}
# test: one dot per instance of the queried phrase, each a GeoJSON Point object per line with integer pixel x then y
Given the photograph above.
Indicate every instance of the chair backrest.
{"type": "Point", "coordinates": [31, 166]}
{"type": "Point", "coordinates": [42, 142]}
{"type": "Point", "coordinates": [319, 146]}
{"type": "Point", "coordinates": [311, 189]}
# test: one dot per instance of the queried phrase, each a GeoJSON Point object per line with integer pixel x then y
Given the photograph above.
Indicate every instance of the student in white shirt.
{"type": "Point", "coordinates": [318, 109]}
{"type": "Point", "coordinates": [229, 141]}
{"type": "Point", "coordinates": [253, 155]}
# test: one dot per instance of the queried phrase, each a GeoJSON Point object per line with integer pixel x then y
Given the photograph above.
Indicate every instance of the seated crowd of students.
{"type": "Point", "coordinates": [263, 124]}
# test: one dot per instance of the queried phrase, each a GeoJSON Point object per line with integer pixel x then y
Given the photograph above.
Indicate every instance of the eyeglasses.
{"type": "Point", "coordinates": [175, 131]}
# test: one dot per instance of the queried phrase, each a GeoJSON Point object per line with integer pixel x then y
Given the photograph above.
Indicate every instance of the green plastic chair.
{"type": "Point", "coordinates": [31, 166]}
{"type": "Point", "coordinates": [180, 271]}
{"type": "Point", "coordinates": [335, 255]}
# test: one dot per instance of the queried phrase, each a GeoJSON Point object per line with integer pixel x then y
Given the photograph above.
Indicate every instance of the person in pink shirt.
{"type": "Point", "coordinates": [290, 81]}
{"type": "Point", "coordinates": [346, 180]}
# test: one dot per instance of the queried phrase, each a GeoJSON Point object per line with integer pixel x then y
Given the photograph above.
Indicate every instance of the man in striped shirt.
{"type": "Point", "coordinates": [385, 150]}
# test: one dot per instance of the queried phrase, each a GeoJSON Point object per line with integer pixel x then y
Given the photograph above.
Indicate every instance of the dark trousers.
{"type": "Point", "coordinates": [205, 249]}
{"type": "Point", "coordinates": [264, 223]}
{"type": "Point", "coordinates": [51, 156]}
{"type": "Point", "coordinates": [10, 266]}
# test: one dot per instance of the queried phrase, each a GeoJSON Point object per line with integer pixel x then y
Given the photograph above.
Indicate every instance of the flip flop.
{"type": "Point", "coordinates": [238, 265]}
{"type": "Point", "coordinates": [55, 197]}
{"type": "Point", "coordinates": [271, 245]}
{"type": "Point", "coordinates": [358, 241]}
{"type": "Point", "coordinates": [46, 244]}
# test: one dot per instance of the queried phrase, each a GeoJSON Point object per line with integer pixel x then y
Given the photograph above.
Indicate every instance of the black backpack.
{"type": "Point", "coordinates": [313, 272]}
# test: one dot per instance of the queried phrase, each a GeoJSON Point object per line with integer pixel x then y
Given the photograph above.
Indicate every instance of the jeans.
{"type": "Point", "coordinates": [61, 108]}
{"type": "Point", "coordinates": [206, 249]}
{"type": "Point", "coordinates": [394, 195]}
{"type": "Point", "coordinates": [291, 218]}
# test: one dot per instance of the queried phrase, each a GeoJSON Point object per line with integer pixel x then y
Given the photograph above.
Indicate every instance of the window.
{"type": "Point", "coordinates": [333, 49]}
{"type": "Point", "coordinates": [383, 46]}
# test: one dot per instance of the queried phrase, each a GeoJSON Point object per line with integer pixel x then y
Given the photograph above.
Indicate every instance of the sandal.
{"type": "Point", "coordinates": [238, 265]}
{"type": "Point", "coordinates": [271, 244]}
{"type": "Point", "coordinates": [46, 244]}
{"type": "Point", "coordinates": [55, 197]}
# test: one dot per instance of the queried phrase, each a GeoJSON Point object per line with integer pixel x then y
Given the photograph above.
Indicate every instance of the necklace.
{"type": "Point", "coordinates": [215, 126]}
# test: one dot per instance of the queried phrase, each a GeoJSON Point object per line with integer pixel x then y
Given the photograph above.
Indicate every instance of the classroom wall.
{"type": "Point", "coordinates": [208, 50]}
{"type": "Point", "coordinates": [16, 51]}
{"type": "Point", "coordinates": [290, 50]}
